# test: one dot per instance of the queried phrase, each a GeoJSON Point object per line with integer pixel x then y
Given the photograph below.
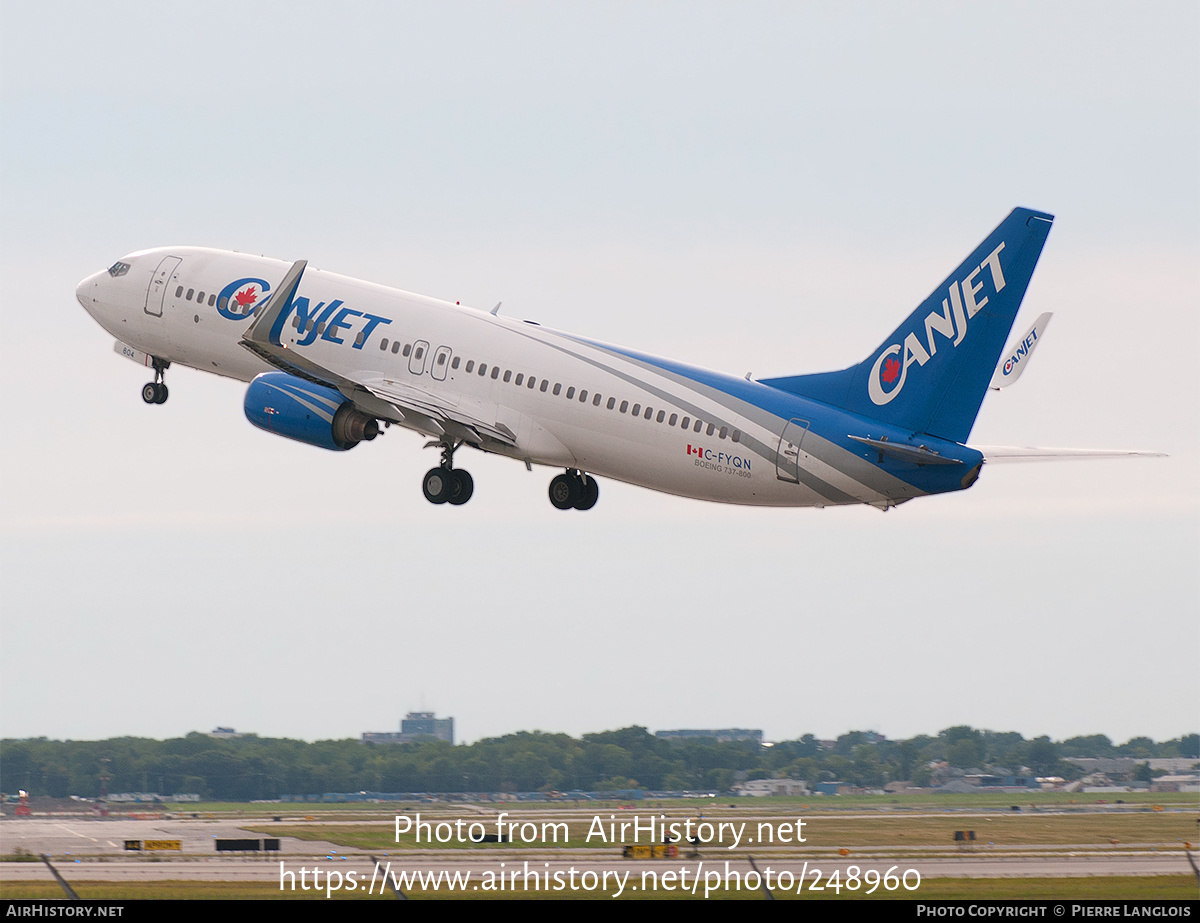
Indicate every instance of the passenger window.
{"type": "Point", "coordinates": [212, 299]}
{"type": "Point", "coordinates": [532, 381]}
{"type": "Point", "coordinates": [649, 413]}
{"type": "Point", "coordinates": [596, 400]}
{"type": "Point", "coordinates": [570, 392]}
{"type": "Point", "coordinates": [420, 352]}
{"type": "Point", "coordinates": [637, 410]}
{"type": "Point", "coordinates": [612, 402]}
{"type": "Point", "coordinates": [179, 292]}
{"type": "Point", "coordinates": [624, 406]}
{"type": "Point", "coordinates": [358, 340]}
{"type": "Point", "coordinates": [698, 426]}
{"type": "Point", "coordinates": [661, 415]}
{"type": "Point", "coordinates": [557, 388]}
{"type": "Point", "coordinates": [296, 324]}
{"type": "Point", "coordinates": [200, 298]}
{"type": "Point", "coordinates": [737, 436]}
{"type": "Point", "coordinates": [687, 421]}
{"type": "Point", "coordinates": [582, 396]}
{"type": "Point", "coordinates": [321, 329]}
{"type": "Point", "coordinates": [482, 369]}
{"type": "Point", "coordinates": [191, 291]}
{"type": "Point", "coordinates": [507, 375]}
{"type": "Point", "coordinates": [495, 372]}
{"type": "Point", "coordinates": [223, 302]}
{"type": "Point", "coordinates": [407, 349]}
{"type": "Point", "coordinates": [520, 378]}
{"type": "Point", "coordinates": [383, 343]}
{"type": "Point", "coordinates": [724, 432]}
{"type": "Point", "coordinates": [671, 421]}
{"type": "Point", "coordinates": [454, 364]}
{"type": "Point", "coordinates": [441, 359]}
{"type": "Point", "coordinates": [545, 385]}
{"type": "Point", "coordinates": [396, 347]}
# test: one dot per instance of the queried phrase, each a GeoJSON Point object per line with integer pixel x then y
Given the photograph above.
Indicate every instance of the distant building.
{"type": "Point", "coordinates": [223, 733]}
{"type": "Point", "coordinates": [1187, 782]}
{"type": "Point", "coordinates": [724, 735]}
{"type": "Point", "coordinates": [763, 788]}
{"type": "Point", "coordinates": [416, 725]}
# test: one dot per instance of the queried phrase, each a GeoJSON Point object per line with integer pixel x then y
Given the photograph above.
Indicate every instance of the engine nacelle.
{"type": "Point", "coordinates": [289, 406]}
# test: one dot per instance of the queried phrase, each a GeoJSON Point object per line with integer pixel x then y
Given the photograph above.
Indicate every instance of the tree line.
{"type": "Point", "coordinates": [249, 767]}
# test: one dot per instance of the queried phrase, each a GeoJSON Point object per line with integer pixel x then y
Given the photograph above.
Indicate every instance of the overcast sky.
{"type": "Point", "coordinates": [747, 186]}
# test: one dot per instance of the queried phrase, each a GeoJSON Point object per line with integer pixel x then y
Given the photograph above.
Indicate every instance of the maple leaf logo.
{"type": "Point", "coordinates": [245, 297]}
{"type": "Point", "coordinates": [891, 369]}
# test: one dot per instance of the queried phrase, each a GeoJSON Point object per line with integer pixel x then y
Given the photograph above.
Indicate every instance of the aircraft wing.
{"type": "Point", "coordinates": [400, 402]}
{"type": "Point", "coordinates": [993, 454]}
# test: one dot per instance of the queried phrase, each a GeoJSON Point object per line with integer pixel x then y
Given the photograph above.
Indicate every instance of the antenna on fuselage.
{"type": "Point", "coordinates": [495, 310]}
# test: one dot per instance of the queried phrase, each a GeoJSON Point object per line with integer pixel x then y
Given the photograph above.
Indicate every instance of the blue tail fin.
{"type": "Point", "coordinates": [931, 375]}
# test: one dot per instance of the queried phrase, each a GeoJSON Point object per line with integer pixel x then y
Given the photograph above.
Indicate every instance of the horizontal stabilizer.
{"type": "Point", "coordinates": [1013, 362]}
{"type": "Point", "coordinates": [917, 455]}
{"type": "Point", "coordinates": [1012, 453]}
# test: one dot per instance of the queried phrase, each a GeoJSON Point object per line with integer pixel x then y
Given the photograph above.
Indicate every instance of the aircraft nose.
{"type": "Point", "coordinates": [85, 293]}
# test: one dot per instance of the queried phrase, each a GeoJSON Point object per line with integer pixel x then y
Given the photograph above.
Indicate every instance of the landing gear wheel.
{"type": "Point", "coordinates": [565, 491]}
{"type": "Point", "coordinates": [154, 392]}
{"type": "Point", "coordinates": [438, 485]}
{"type": "Point", "coordinates": [590, 494]}
{"type": "Point", "coordinates": [464, 486]}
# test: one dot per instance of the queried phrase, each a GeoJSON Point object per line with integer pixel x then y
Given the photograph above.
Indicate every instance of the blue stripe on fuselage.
{"type": "Point", "coordinates": [830, 423]}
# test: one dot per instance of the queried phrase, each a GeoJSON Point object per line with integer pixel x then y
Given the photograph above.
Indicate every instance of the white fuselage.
{"type": "Point", "coordinates": [567, 402]}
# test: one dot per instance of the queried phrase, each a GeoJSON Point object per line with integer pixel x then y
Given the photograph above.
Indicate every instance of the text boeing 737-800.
{"type": "Point", "coordinates": [329, 357]}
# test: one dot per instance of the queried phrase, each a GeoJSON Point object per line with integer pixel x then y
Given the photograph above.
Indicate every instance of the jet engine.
{"type": "Point", "coordinates": [289, 406]}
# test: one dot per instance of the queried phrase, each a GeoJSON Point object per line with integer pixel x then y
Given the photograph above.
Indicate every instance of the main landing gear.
{"type": "Point", "coordinates": [155, 392]}
{"type": "Point", "coordinates": [574, 490]}
{"type": "Point", "coordinates": [445, 483]}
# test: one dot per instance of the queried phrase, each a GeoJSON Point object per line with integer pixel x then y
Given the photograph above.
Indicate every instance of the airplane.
{"type": "Point", "coordinates": [330, 358]}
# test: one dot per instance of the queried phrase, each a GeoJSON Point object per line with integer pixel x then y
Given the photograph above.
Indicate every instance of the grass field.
{"type": "Point", "coordinates": [911, 827]}
{"type": "Point", "coordinates": [1172, 887]}
{"type": "Point", "coordinates": [919, 801]}
{"type": "Point", "coordinates": [1137, 828]}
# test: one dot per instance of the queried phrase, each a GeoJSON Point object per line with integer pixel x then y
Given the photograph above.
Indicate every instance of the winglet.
{"type": "Point", "coordinates": [1013, 362]}
{"type": "Point", "coordinates": [266, 327]}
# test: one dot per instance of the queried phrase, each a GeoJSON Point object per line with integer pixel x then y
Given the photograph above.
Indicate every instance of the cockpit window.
{"type": "Point", "coordinates": [118, 269]}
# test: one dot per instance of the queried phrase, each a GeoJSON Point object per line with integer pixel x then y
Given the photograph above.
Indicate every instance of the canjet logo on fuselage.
{"type": "Point", "coordinates": [242, 297]}
{"type": "Point", "coordinates": [891, 368]}
{"type": "Point", "coordinates": [239, 299]}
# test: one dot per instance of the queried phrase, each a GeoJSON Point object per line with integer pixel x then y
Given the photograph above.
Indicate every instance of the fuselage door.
{"type": "Point", "coordinates": [160, 282]}
{"type": "Point", "coordinates": [789, 460]}
{"type": "Point", "coordinates": [416, 359]}
{"type": "Point", "coordinates": [441, 362]}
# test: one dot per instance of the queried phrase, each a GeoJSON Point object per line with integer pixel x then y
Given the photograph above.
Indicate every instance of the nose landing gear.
{"type": "Point", "coordinates": [574, 490]}
{"type": "Point", "coordinates": [155, 392]}
{"type": "Point", "coordinates": [445, 483]}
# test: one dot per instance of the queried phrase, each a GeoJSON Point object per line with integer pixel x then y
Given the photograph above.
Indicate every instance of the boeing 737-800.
{"type": "Point", "coordinates": [329, 358]}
